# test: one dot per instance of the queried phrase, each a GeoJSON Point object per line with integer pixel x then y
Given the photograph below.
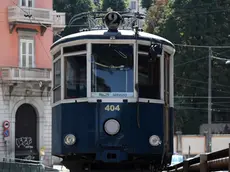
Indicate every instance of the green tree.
{"type": "Point", "coordinates": [71, 8]}
{"type": "Point", "coordinates": [146, 4]}
{"type": "Point", "coordinates": [115, 5]}
{"type": "Point", "coordinates": [156, 15]}
{"type": "Point", "coordinates": [196, 22]}
{"type": "Point", "coordinates": [98, 5]}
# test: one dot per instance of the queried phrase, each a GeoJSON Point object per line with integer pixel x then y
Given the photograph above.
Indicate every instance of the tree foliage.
{"type": "Point", "coordinates": [115, 5]}
{"type": "Point", "coordinates": [71, 8]}
{"type": "Point", "coordinates": [196, 22]}
{"type": "Point", "coordinates": [146, 4]}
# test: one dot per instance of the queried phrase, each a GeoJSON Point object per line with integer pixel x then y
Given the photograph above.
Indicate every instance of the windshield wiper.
{"type": "Point", "coordinates": [120, 53]}
{"type": "Point", "coordinates": [111, 66]}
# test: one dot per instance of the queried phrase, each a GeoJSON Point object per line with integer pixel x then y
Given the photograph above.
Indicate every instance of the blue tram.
{"type": "Point", "coordinates": [112, 99]}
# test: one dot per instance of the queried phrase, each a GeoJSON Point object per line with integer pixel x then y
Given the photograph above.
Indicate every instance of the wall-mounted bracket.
{"type": "Point", "coordinates": [11, 89]}
{"type": "Point", "coordinates": [43, 30]}
{"type": "Point", "coordinates": [11, 27]}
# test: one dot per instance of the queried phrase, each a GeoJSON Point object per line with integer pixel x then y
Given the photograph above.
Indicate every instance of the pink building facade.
{"type": "Point", "coordinates": [27, 28]}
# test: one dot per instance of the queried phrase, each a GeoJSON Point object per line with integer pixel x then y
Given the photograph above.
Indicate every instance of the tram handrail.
{"type": "Point", "coordinates": [213, 161]}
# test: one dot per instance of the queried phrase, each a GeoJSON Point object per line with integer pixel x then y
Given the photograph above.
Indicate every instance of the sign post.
{"type": "Point", "coordinates": [6, 126]}
{"type": "Point", "coordinates": [6, 134]}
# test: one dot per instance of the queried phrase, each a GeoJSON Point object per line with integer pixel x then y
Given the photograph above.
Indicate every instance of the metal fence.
{"type": "Point", "coordinates": [20, 165]}
{"type": "Point", "coordinates": [214, 161]}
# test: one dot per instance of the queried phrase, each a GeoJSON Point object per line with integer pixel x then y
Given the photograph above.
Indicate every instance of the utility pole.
{"type": "Point", "coordinates": [138, 10]}
{"type": "Point", "coordinates": [209, 98]}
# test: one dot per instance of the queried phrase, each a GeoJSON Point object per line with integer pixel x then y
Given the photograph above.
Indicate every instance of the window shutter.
{"type": "Point", "coordinates": [30, 3]}
{"type": "Point", "coordinates": [23, 3]}
{"type": "Point", "coordinates": [20, 55]}
{"type": "Point", "coordinates": [30, 55]}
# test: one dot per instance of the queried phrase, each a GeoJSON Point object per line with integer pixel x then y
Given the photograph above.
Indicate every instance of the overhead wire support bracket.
{"type": "Point", "coordinates": [95, 20]}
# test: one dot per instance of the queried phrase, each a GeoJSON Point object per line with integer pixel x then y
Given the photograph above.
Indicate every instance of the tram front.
{"type": "Point", "coordinates": [108, 99]}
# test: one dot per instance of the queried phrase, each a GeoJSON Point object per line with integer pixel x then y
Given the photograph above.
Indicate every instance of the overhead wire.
{"type": "Point", "coordinates": [183, 12]}
{"type": "Point", "coordinates": [199, 97]}
{"type": "Point", "coordinates": [221, 54]}
{"type": "Point", "coordinates": [203, 46]}
{"type": "Point", "coordinates": [31, 16]}
{"type": "Point", "coordinates": [183, 45]}
{"type": "Point", "coordinates": [194, 12]}
{"type": "Point", "coordinates": [47, 54]}
{"type": "Point", "coordinates": [190, 61]}
{"type": "Point", "coordinates": [39, 41]}
{"type": "Point", "coordinates": [200, 103]}
{"type": "Point", "coordinates": [198, 81]}
{"type": "Point", "coordinates": [204, 109]}
{"type": "Point", "coordinates": [197, 13]}
{"type": "Point", "coordinates": [215, 102]}
{"type": "Point", "coordinates": [204, 88]}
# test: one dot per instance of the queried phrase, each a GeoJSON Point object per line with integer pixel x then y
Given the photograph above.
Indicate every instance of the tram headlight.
{"type": "Point", "coordinates": [69, 139]}
{"type": "Point", "coordinates": [112, 127]}
{"type": "Point", "coordinates": [154, 140]}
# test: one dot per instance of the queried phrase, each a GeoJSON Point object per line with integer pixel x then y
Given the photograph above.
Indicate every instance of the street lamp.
{"type": "Point", "coordinates": [227, 62]}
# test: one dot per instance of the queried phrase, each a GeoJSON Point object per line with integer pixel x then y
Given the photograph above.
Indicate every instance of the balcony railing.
{"type": "Point", "coordinates": [25, 74]}
{"type": "Point", "coordinates": [39, 16]}
{"type": "Point", "coordinates": [58, 20]}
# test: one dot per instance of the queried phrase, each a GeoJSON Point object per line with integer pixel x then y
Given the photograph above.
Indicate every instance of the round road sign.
{"type": "Point", "coordinates": [6, 124]}
{"type": "Point", "coordinates": [6, 133]}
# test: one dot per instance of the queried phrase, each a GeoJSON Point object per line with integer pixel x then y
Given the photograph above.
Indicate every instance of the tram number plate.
{"type": "Point", "coordinates": [112, 108]}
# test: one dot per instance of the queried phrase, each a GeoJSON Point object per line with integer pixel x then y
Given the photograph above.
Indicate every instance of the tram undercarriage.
{"type": "Point", "coordinates": [142, 165]}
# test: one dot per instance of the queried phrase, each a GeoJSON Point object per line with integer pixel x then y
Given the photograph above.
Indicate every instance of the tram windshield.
{"type": "Point", "coordinates": [112, 70]}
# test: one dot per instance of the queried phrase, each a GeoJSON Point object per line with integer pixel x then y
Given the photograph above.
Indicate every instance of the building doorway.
{"type": "Point", "coordinates": [26, 133]}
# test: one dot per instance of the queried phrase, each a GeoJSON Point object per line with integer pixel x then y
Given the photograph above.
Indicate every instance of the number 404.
{"type": "Point", "coordinates": [112, 108]}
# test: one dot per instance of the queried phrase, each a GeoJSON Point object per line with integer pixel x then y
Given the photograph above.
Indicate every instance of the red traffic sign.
{"type": "Point", "coordinates": [6, 133]}
{"type": "Point", "coordinates": [6, 124]}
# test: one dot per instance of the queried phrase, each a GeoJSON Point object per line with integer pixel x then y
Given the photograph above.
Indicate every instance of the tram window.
{"type": "Point", "coordinates": [75, 48]}
{"type": "Point", "coordinates": [57, 81]}
{"type": "Point", "coordinates": [75, 76]}
{"type": "Point", "coordinates": [57, 55]}
{"type": "Point", "coordinates": [57, 94]}
{"type": "Point", "coordinates": [143, 48]}
{"type": "Point", "coordinates": [148, 77]}
{"type": "Point", "coordinates": [167, 76]}
{"type": "Point", "coordinates": [112, 70]}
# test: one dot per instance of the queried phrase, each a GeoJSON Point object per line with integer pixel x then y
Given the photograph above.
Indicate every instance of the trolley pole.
{"type": "Point", "coordinates": [138, 10]}
{"type": "Point", "coordinates": [209, 99]}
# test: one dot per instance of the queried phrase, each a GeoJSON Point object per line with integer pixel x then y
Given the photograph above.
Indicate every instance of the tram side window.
{"type": "Point", "coordinates": [148, 77]}
{"type": "Point", "coordinates": [75, 76]}
{"type": "Point", "coordinates": [57, 81]}
{"type": "Point", "coordinates": [167, 76]}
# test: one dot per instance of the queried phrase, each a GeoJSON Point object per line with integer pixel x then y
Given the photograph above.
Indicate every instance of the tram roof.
{"type": "Point", "coordinates": [104, 34]}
